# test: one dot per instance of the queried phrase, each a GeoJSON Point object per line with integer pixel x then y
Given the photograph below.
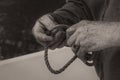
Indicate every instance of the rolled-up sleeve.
{"type": "Point", "coordinates": [72, 12]}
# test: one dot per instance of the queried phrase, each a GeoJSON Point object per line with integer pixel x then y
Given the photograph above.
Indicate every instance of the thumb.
{"type": "Point", "coordinates": [81, 54]}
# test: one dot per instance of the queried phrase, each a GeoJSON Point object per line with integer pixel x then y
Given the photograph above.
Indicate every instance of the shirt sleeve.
{"type": "Point", "coordinates": [72, 12]}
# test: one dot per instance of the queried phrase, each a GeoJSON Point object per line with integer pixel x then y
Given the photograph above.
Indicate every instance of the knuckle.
{"type": "Point", "coordinates": [34, 29]}
{"type": "Point", "coordinates": [43, 38]}
{"type": "Point", "coordinates": [69, 30]}
{"type": "Point", "coordinates": [78, 31]}
{"type": "Point", "coordinates": [34, 32]}
{"type": "Point", "coordinates": [84, 21]}
{"type": "Point", "coordinates": [76, 43]}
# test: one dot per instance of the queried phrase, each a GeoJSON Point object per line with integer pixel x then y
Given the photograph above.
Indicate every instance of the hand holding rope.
{"type": "Point", "coordinates": [87, 56]}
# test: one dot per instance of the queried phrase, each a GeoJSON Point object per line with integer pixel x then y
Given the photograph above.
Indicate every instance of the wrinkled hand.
{"type": "Point", "coordinates": [93, 36]}
{"type": "Point", "coordinates": [43, 38]}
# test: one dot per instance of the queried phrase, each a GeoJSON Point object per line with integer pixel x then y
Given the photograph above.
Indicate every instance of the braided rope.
{"type": "Point", "coordinates": [67, 64]}
{"type": "Point", "coordinates": [61, 69]}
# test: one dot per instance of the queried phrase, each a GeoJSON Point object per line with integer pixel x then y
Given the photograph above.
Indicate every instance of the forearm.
{"type": "Point", "coordinates": [72, 12]}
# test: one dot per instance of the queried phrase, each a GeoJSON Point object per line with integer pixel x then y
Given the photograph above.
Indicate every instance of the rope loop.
{"type": "Point", "coordinates": [68, 63]}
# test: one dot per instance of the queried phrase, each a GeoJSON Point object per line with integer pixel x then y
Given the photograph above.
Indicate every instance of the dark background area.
{"type": "Point", "coordinates": [17, 18]}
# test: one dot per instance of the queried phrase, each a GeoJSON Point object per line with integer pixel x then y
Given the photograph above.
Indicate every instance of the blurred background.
{"type": "Point", "coordinates": [17, 18]}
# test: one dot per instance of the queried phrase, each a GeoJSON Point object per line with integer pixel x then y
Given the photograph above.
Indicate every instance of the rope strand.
{"type": "Point", "coordinates": [61, 69]}
{"type": "Point", "coordinates": [57, 28]}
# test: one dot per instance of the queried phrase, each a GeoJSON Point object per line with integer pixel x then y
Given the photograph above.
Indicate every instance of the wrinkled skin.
{"type": "Point", "coordinates": [93, 36]}
{"type": "Point", "coordinates": [46, 40]}
{"type": "Point", "coordinates": [56, 41]}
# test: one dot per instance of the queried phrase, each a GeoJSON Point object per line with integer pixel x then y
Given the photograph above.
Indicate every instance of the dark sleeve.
{"type": "Point", "coordinates": [74, 11]}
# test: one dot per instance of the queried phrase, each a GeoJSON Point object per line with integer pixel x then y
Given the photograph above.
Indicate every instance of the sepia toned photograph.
{"type": "Point", "coordinates": [59, 39]}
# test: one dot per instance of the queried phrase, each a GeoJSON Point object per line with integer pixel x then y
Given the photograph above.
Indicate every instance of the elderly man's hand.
{"type": "Point", "coordinates": [93, 36]}
{"type": "Point", "coordinates": [44, 25]}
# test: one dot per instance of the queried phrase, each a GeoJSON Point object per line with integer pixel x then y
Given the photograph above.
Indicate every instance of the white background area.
{"type": "Point", "coordinates": [32, 67]}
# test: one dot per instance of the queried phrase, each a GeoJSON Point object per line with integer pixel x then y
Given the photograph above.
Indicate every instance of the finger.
{"type": "Point", "coordinates": [81, 54]}
{"type": "Point", "coordinates": [95, 48]}
{"type": "Point", "coordinates": [37, 28]}
{"type": "Point", "coordinates": [47, 21]}
{"type": "Point", "coordinates": [43, 44]}
{"type": "Point", "coordinates": [71, 30]}
{"type": "Point", "coordinates": [88, 43]}
{"type": "Point", "coordinates": [41, 37]}
{"type": "Point", "coordinates": [81, 37]}
{"type": "Point", "coordinates": [72, 39]}
{"type": "Point", "coordinates": [38, 32]}
{"type": "Point", "coordinates": [63, 26]}
{"type": "Point", "coordinates": [59, 38]}
{"type": "Point", "coordinates": [75, 48]}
